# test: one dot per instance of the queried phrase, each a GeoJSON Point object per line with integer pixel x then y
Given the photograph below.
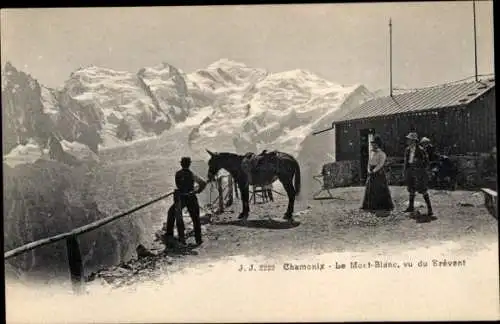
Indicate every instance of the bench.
{"type": "Point", "coordinates": [321, 179]}
{"type": "Point", "coordinates": [490, 201]}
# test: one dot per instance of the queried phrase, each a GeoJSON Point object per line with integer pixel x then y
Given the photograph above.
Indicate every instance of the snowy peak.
{"type": "Point", "coordinates": [298, 79]}
{"type": "Point", "coordinates": [163, 71]}
{"type": "Point", "coordinates": [95, 80]}
{"type": "Point", "coordinates": [226, 73]}
{"type": "Point", "coordinates": [298, 75]}
{"type": "Point", "coordinates": [167, 87]}
{"type": "Point", "coordinates": [226, 63]}
{"type": "Point", "coordinates": [126, 106]}
{"type": "Point", "coordinates": [270, 110]}
{"type": "Point", "coordinates": [235, 70]}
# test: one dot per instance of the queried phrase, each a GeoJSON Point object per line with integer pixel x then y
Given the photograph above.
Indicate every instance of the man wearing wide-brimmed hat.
{"type": "Point", "coordinates": [416, 164]}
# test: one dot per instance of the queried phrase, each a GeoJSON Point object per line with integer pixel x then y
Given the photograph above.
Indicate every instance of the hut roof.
{"type": "Point", "coordinates": [444, 96]}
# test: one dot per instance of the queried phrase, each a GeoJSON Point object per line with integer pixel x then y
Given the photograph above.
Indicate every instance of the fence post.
{"type": "Point", "coordinates": [221, 195]}
{"type": "Point", "coordinates": [236, 190]}
{"type": "Point", "coordinates": [75, 263]}
{"type": "Point", "coordinates": [264, 194]}
{"type": "Point", "coordinates": [229, 191]}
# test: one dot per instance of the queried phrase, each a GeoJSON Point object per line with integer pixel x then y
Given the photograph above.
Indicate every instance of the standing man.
{"type": "Point", "coordinates": [429, 148]}
{"type": "Point", "coordinates": [415, 166]}
{"type": "Point", "coordinates": [186, 193]}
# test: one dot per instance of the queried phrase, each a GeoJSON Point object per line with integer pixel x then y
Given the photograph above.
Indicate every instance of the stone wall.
{"type": "Point", "coordinates": [473, 172]}
{"type": "Point", "coordinates": [476, 171]}
{"type": "Point", "coordinates": [341, 174]}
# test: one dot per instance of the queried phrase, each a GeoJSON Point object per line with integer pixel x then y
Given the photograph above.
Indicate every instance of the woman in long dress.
{"type": "Point", "coordinates": [377, 194]}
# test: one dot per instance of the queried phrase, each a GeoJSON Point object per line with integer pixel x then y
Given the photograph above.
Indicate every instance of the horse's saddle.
{"type": "Point", "coordinates": [253, 162]}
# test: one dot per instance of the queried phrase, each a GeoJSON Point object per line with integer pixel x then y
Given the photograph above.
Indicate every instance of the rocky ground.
{"type": "Point", "coordinates": [324, 226]}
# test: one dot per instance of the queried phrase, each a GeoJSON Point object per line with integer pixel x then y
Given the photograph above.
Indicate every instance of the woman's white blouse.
{"type": "Point", "coordinates": [377, 159]}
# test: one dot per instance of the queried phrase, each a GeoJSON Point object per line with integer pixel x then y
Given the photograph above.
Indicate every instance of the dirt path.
{"type": "Point", "coordinates": [338, 225]}
{"type": "Point", "coordinates": [333, 226]}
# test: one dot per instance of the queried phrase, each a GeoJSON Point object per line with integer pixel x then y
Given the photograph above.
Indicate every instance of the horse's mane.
{"type": "Point", "coordinates": [227, 154]}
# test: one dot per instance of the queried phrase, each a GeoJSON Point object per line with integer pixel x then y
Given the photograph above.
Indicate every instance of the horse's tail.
{"type": "Point", "coordinates": [297, 177]}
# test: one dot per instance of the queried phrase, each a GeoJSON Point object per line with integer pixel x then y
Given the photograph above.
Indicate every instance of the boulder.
{"type": "Point", "coordinates": [23, 154]}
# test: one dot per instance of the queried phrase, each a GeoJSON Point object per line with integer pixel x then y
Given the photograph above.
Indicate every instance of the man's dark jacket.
{"type": "Point", "coordinates": [420, 160]}
{"type": "Point", "coordinates": [184, 180]}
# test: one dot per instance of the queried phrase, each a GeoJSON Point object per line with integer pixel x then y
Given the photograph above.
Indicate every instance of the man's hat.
{"type": "Point", "coordinates": [412, 136]}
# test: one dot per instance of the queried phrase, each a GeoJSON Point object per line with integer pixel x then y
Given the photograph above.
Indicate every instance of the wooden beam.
{"type": "Point", "coordinates": [78, 231]}
{"type": "Point", "coordinates": [221, 195]}
{"type": "Point", "coordinates": [75, 263]}
{"type": "Point", "coordinates": [229, 191]}
{"type": "Point", "coordinates": [236, 190]}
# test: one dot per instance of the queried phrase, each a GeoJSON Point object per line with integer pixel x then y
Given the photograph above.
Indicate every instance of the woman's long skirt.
{"type": "Point", "coordinates": [377, 193]}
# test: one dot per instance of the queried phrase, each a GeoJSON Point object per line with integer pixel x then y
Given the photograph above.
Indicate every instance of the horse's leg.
{"type": "Point", "coordinates": [290, 191]}
{"type": "Point", "coordinates": [245, 197]}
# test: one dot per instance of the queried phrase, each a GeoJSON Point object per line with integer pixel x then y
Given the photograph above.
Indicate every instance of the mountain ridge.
{"type": "Point", "coordinates": [102, 108]}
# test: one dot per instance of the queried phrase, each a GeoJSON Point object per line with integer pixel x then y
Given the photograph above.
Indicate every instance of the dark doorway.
{"type": "Point", "coordinates": [364, 154]}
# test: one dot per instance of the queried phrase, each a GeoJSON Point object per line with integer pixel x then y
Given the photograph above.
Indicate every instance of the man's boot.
{"type": "Point", "coordinates": [181, 236]}
{"type": "Point", "coordinates": [429, 206]}
{"type": "Point", "coordinates": [197, 231]}
{"type": "Point", "coordinates": [199, 241]}
{"type": "Point", "coordinates": [182, 241]}
{"type": "Point", "coordinates": [429, 217]}
{"type": "Point", "coordinates": [411, 204]}
{"type": "Point", "coordinates": [170, 241]}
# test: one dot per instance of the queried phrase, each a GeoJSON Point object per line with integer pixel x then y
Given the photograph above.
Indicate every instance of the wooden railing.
{"type": "Point", "coordinates": [72, 246]}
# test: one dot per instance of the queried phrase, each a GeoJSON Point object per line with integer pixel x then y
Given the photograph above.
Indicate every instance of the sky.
{"type": "Point", "coordinates": [433, 42]}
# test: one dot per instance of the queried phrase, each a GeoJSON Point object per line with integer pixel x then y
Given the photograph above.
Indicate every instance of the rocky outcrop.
{"type": "Point", "coordinates": [46, 198]}
{"type": "Point", "coordinates": [39, 115]}
{"type": "Point", "coordinates": [153, 122]}
{"type": "Point", "coordinates": [168, 87]}
{"type": "Point", "coordinates": [79, 121]}
{"type": "Point", "coordinates": [23, 116]}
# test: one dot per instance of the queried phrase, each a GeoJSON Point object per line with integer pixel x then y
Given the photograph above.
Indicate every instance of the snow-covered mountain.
{"type": "Point", "coordinates": [125, 106]}
{"type": "Point", "coordinates": [36, 126]}
{"type": "Point", "coordinates": [226, 106]}
{"type": "Point", "coordinates": [252, 109]}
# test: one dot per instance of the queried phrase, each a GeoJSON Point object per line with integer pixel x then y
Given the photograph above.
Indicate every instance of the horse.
{"type": "Point", "coordinates": [259, 170]}
{"type": "Point", "coordinates": [443, 173]}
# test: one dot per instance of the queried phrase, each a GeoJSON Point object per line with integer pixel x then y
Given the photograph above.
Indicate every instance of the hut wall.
{"type": "Point", "coordinates": [455, 130]}
{"type": "Point", "coordinates": [481, 127]}
{"type": "Point", "coordinates": [392, 131]}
